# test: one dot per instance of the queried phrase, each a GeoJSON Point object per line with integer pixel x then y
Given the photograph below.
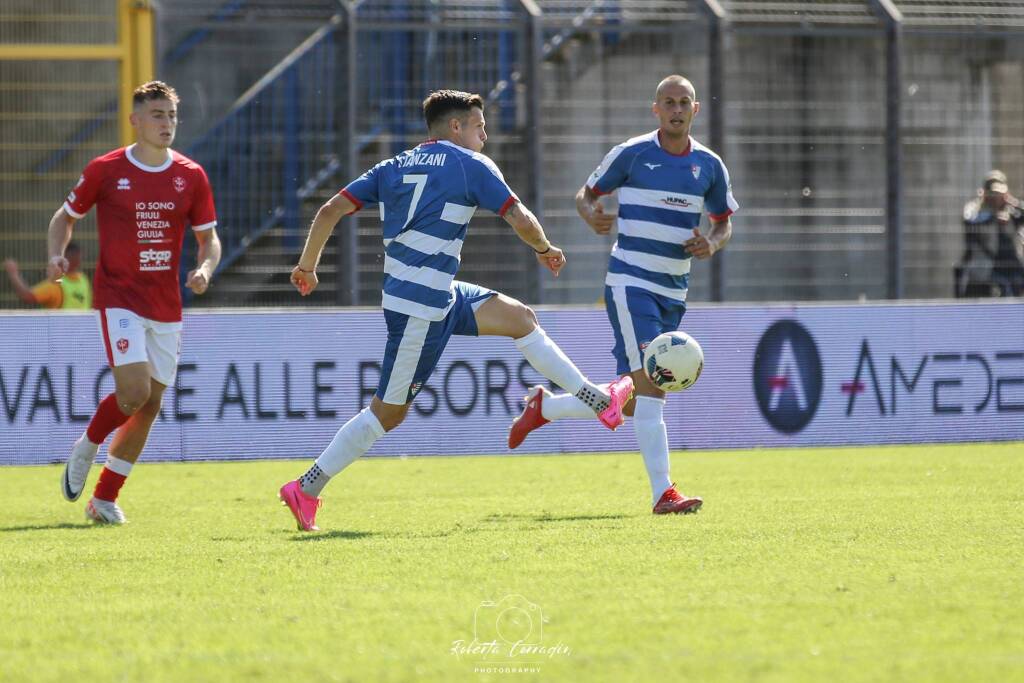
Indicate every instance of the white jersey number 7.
{"type": "Point", "coordinates": [420, 181]}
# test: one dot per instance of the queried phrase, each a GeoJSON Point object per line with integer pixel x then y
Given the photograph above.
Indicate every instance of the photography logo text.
{"type": "Point", "coordinates": [509, 637]}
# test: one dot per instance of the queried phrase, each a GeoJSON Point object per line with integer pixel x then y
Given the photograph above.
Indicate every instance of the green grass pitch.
{"type": "Point", "coordinates": [854, 564]}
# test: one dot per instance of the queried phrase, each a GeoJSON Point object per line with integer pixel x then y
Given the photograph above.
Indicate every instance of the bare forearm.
{"type": "Point", "coordinates": [585, 202]}
{"type": "Point", "coordinates": [527, 227]}
{"type": "Point", "coordinates": [208, 255]}
{"type": "Point", "coordinates": [20, 287]}
{"type": "Point", "coordinates": [720, 234]}
{"type": "Point", "coordinates": [323, 225]}
{"type": "Point", "coordinates": [59, 233]}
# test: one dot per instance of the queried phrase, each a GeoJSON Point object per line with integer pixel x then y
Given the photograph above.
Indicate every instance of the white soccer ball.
{"type": "Point", "coordinates": [673, 361]}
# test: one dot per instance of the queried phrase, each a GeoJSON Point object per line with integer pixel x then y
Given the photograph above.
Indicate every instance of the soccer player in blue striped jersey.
{"type": "Point", "coordinates": [665, 180]}
{"type": "Point", "coordinates": [426, 197]}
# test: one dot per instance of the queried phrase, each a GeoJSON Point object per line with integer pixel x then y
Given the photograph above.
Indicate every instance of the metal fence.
{"type": "Point", "coordinates": [44, 107]}
{"type": "Point", "coordinates": [854, 130]}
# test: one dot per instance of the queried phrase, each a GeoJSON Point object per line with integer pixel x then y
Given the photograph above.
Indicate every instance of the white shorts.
{"type": "Point", "coordinates": [130, 338]}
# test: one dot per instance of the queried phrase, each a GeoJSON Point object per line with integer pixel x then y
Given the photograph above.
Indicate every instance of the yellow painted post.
{"type": "Point", "coordinates": [142, 42]}
{"type": "Point", "coordinates": [135, 39]}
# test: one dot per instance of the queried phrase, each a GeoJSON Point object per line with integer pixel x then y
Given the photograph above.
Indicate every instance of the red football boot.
{"type": "Point", "coordinates": [674, 503]}
{"type": "Point", "coordinates": [531, 417]}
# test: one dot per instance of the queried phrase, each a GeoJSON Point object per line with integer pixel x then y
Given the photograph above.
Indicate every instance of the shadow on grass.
{"type": "Point", "coordinates": [331, 535]}
{"type": "Point", "coordinates": [552, 518]}
{"type": "Point", "coordinates": [46, 527]}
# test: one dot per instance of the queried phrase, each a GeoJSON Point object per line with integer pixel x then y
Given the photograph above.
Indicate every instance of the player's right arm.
{"type": "Point", "coordinates": [588, 206]}
{"type": "Point", "coordinates": [57, 237]}
{"type": "Point", "coordinates": [304, 274]}
{"type": "Point", "coordinates": [606, 178]}
{"type": "Point", "coordinates": [86, 192]}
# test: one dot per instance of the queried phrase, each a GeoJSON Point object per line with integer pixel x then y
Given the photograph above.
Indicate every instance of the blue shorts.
{"type": "Point", "coordinates": [414, 345]}
{"type": "Point", "coordinates": [637, 317]}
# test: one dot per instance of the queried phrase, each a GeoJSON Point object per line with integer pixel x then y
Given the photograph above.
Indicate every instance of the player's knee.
{"type": "Point", "coordinates": [132, 398]}
{"type": "Point", "coordinates": [390, 416]}
{"type": "Point", "coordinates": [391, 421]}
{"type": "Point", "coordinates": [151, 408]}
{"type": "Point", "coordinates": [526, 319]}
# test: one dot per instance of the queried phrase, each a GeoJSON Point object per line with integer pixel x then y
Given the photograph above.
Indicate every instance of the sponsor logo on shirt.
{"type": "Point", "coordinates": [150, 222]}
{"type": "Point", "coordinates": [153, 259]}
{"type": "Point", "coordinates": [122, 345]}
{"type": "Point", "coordinates": [124, 184]}
{"type": "Point", "coordinates": [179, 183]}
{"type": "Point", "coordinates": [681, 202]}
{"type": "Point", "coordinates": [652, 166]}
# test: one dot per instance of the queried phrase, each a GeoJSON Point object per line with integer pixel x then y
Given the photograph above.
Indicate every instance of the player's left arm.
{"type": "Point", "coordinates": [203, 217]}
{"type": "Point", "coordinates": [529, 230]}
{"type": "Point", "coordinates": [304, 274]}
{"type": "Point", "coordinates": [207, 259]}
{"type": "Point", "coordinates": [705, 246]}
{"type": "Point", "coordinates": [720, 205]}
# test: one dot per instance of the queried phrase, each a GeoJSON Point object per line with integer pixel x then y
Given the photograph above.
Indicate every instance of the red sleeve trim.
{"type": "Point", "coordinates": [509, 203]}
{"type": "Point", "coordinates": [719, 217]}
{"type": "Point", "coordinates": [598, 191]}
{"type": "Point", "coordinates": [352, 198]}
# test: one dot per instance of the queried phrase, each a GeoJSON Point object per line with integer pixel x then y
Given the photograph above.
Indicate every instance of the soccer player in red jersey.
{"type": "Point", "coordinates": [144, 195]}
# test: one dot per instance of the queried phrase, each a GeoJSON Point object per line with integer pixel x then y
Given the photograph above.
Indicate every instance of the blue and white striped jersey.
{"type": "Point", "coordinates": [661, 197]}
{"type": "Point", "coordinates": [426, 196]}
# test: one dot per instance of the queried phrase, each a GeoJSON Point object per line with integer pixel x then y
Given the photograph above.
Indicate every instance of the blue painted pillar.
{"type": "Point", "coordinates": [291, 151]}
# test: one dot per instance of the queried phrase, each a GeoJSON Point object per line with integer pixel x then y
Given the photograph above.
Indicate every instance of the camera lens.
{"type": "Point", "coordinates": [514, 624]}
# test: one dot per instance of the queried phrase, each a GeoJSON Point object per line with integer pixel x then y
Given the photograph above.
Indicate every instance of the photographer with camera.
{"type": "Point", "coordinates": [993, 259]}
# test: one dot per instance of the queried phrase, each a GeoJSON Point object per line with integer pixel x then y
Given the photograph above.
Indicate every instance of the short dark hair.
{"type": "Point", "coordinates": [154, 90]}
{"type": "Point", "coordinates": [72, 247]}
{"type": "Point", "coordinates": [441, 105]}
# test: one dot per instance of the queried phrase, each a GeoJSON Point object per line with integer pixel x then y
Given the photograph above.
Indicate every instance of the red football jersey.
{"type": "Point", "coordinates": [141, 212]}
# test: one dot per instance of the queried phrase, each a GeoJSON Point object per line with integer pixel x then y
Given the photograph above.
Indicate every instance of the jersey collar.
{"type": "Point", "coordinates": [151, 169]}
{"type": "Point", "coordinates": [689, 145]}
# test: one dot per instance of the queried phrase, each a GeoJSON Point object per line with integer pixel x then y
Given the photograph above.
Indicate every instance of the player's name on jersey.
{"type": "Point", "coordinates": [422, 159]}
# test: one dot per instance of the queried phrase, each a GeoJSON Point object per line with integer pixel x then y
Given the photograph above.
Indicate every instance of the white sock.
{"type": "Point", "coordinates": [351, 442]}
{"type": "Point", "coordinates": [549, 360]}
{"type": "Point", "coordinates": [122, 467]}
{"type": "Point", "coordinates": [652, 437]}
{"type": "Point", "coordinates": [557, 406]}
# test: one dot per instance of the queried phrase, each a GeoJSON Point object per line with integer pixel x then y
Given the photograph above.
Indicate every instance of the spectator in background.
{"type": "Point", "coordinates": [72, 291]}
{"type": "Point", "coordinates": [993, 259]}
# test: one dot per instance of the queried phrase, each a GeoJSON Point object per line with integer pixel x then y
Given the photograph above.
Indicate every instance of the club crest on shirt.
{"type": "Point", "coordinates": [179, 183]}
{"type": "Point", "coordinates": [122, 345]}
{"type": "Point", "coordinates": [696, 171]}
